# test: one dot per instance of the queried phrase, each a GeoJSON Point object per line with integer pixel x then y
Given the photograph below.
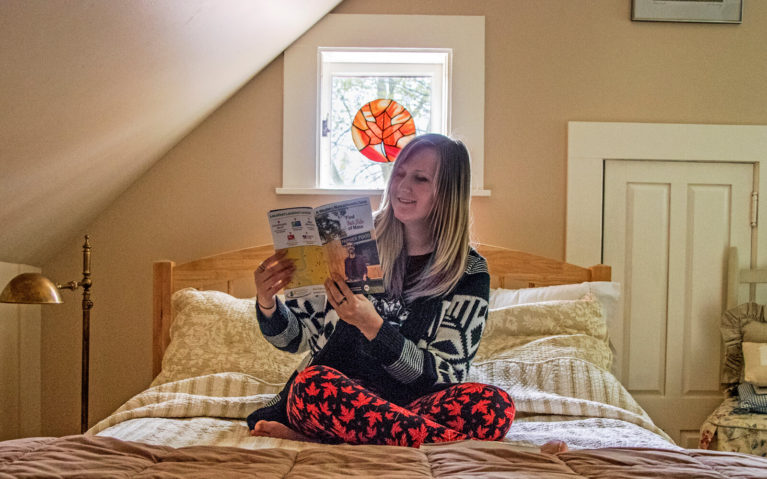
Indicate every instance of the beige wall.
{"type": "Point", "coordinates": [19, 361]}
{"type": "Point", "coordinates": [548, 62]}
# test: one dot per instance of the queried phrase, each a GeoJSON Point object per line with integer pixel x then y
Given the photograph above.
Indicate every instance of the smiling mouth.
{"type": "Point", "coordinates": [407, 202]}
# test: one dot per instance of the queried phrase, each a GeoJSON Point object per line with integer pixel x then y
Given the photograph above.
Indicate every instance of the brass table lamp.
{"type": "Point", "coordinates": [34, 288]}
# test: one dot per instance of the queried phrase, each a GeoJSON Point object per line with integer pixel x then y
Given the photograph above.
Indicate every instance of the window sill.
{"type": "Point", "coordinates": [351, 192]}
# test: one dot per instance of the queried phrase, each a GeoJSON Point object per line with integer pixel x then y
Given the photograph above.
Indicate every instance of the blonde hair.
{"type": "Point", "coordinates": [449, 220]}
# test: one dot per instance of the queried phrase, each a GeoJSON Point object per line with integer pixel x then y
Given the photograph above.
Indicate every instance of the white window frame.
{"type": "Point", "coordinates": [464, 35]}
{"type": "Point", "coordinates": [434, 63]}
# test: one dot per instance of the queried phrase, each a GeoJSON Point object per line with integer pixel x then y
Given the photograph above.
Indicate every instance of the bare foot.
{"type": "Point", "coordinates": [553, 447]}
{"type": "Point", "coordinates": [277, 430]}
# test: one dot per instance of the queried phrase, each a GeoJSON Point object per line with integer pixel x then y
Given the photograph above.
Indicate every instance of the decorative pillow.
{"type": "Point", "coordinates": [607, 293]}
{"type": "Point", "coordinates": [549, 329]}
{"type": "Point", "coordinates": [755, 357]}
{"type": "Point", "coordinates": [743, 323]}
{"type": "Point", "coordinates": [214, 332]}
{"type": "Point", "coordinates": [545, 318]}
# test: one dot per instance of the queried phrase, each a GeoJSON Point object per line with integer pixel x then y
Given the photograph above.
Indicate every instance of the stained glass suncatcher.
{"type": "Point", "coordinates": [381, 128]}
{"type": "Point", "coordinates": [344, 166]}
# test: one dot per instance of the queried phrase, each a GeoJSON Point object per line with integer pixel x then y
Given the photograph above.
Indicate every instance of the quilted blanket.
{"type": "Point", "coordinates": [93, 456]}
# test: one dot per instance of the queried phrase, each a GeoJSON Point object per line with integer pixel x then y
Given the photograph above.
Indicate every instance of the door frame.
{"type": "Point", "coordinates": [589, 144]}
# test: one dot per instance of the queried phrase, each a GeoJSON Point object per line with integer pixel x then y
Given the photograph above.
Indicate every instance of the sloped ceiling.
{"type": "Point", "coordinates": [93, 92]}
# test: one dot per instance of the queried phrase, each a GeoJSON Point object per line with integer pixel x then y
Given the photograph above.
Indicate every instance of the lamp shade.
{"type": "Point", "coordinates": [30, 288]}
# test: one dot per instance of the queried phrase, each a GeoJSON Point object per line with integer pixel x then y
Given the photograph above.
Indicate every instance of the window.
{"type": "Point", "coordinates": [442, 56]}
{"type": "Point", "coordinates": [416, 79]}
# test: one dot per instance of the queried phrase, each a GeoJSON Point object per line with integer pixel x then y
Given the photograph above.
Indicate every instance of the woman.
{"type": "Point", "coordinates": [389, 368]}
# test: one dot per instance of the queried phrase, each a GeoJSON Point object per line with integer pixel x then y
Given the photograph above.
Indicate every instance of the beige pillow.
{"type": "Point", "coordinates": [546, 330]}
{"type": "Point", "coordinates": [605, 292]}
{"type": "Point", "coordinates": [743, 323]}
{"type": "Point", "coordinates": [214, 332]}
{"type": "Point", "coordinates": [581, 316]}
{"type": "Point", "coordinates": [755, 356]}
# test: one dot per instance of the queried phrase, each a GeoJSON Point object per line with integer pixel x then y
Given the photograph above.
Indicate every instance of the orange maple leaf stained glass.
{"type": "Point", "coordinates": [381, 128]}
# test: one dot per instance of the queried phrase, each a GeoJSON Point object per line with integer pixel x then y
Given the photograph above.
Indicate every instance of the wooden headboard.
{"type": "Point", "coordinates": [232, 273]}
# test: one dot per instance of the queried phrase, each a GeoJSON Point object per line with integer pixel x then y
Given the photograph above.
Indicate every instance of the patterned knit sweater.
{"type": "Point", "coordinates": [421, 347]}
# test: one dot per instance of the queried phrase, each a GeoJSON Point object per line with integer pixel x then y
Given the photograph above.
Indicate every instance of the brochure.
{"type": "Point", "coordinates": [337, 237]}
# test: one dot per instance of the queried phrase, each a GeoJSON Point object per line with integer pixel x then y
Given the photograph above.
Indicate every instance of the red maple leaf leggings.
{"type": "Point", "coordinates": [330, 407]}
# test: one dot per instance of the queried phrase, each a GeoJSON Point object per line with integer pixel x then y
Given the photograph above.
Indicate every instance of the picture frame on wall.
{"type": "Point", "coordinates": [696, 11]}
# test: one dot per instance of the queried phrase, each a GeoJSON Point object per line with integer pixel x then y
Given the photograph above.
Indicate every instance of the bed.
{"type": "Point", "coordinates": [546, 343]}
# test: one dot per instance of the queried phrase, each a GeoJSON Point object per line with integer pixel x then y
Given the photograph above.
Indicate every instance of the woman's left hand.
{"type": "Point", "coordinates": [354, 309]}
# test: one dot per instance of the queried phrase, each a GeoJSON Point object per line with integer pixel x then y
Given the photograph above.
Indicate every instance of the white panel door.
{"type": "Point", "coordinates": [667, 226]}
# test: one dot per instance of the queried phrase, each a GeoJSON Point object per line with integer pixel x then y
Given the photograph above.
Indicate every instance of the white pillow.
{"type": "Point", "coordinates": [213, 332]}
{"type": "Point", "coordinates": [607, 293]}
{"type": "Point", "coordinates": [755, 357]}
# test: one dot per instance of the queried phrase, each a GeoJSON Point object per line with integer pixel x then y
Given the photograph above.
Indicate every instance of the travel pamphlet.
{"type": "Point", "coordinates": [337, 237]}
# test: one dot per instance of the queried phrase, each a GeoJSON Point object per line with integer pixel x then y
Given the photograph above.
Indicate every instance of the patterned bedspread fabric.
{"type": "Point", "coordinates": [730, 429]}
{"type": "Point", "coordinates": [93, 456]}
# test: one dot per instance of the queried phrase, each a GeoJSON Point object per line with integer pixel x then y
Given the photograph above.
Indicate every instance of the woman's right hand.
{"type": "Point", "coordinates": [271, 276]}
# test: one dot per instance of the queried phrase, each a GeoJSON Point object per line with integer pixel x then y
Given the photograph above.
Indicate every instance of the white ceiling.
{"type": "Point", "coordinates": [93, 92]}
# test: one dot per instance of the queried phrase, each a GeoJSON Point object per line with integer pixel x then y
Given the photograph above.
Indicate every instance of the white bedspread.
{"type": "Point", "coordinates": [205, 410]}
{"type": "Point", "coordinates": [552, 358]}
{"type": "Point", "coordinates": [210, 410]}
{"type": "Point", "coordinates": [571, 400]}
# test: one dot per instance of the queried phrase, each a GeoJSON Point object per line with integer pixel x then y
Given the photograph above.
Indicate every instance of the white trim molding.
{"type": "Point", "coordinates": [590, 144]}
{"type": "Point", "coordinates": [464, 35]}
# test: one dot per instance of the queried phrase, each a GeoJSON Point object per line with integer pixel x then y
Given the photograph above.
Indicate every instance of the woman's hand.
{"type": "Point", "coordinates": [271, 276]}
{"type": "Point", "coordinates": [352, 308]}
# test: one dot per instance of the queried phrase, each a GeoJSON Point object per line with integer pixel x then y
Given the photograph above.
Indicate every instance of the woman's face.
{"type": "Point", "coordinates": [413, 187]}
